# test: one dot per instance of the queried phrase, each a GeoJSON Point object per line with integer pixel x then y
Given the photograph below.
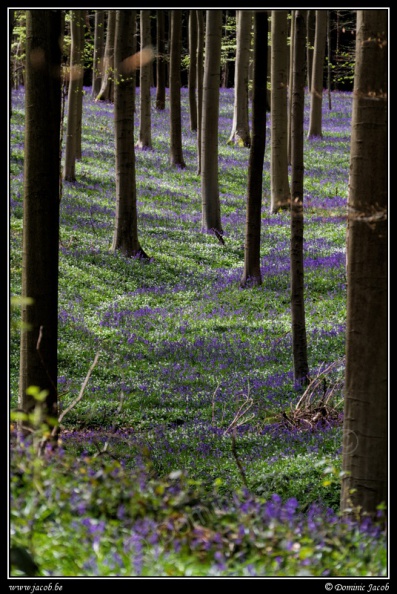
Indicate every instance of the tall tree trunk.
{"type": "Point", "coordinates": [145, 128]}
{"type": "Point", "coordinates": [200, 75]}
{"type": "Point", "coordinates": [75, 97]}
{"type": "Point", "coordinates": [320, 38]}
{"type": "Point", "coordinates": [192, 80]}
{"type": "Point", "coordinates": [290, 75]}
{"type": "Point", "coordinates": [280, 191]}
{"type": "Point", "coordinates": [329, 50]}
{"type": "Point", "coordinates": [240, 134]}
{"type": "Point", "coordinates": [252, 270]}
{"type": "Point", "coordinates": [176, 153]}
{"type": "Point", "coordinates": [99, 47]}
{"type": "Point", "coordinates": [310, 28]}
{"type": "Point", "coordinates": [160, 64]}
{"type": "Point", "coordinates": [211, 209]}
{"type": "Point", "coordinates": [40, 242]}
{"type": "Point", "coordinates": [125, 237]}
{"type": "Point", "coordinates": [299, 343]}
{"type": "Point", "coordinates": [106, 92]}
{"type": "Point", "coordinates": [365, 429]}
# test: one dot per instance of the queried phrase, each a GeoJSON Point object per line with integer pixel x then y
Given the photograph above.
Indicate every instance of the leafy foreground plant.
{"type": "Point", "coordinates": [90, 516]}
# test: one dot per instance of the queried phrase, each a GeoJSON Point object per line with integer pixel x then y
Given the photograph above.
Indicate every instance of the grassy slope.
{"type": "Point", "coordinates": [185, 355]}
{"type": "Point", "coordinates": [181, 346]}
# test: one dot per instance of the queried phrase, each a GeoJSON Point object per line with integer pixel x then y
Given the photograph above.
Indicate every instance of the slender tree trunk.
{"type": "Point", "coordinates": [145, 129]}
{"type": "Point", "coordinates": [280, 191]}
{"type": "Point", "coordinates": [240, 134]}
{"type": "Point", "coordinates": [291, 59]}
{"type": "Point", "coordinates": [75, 97]}
{"type": "Point", "coordinates": [299, 343]}
{"type": "Point", "coordinates": [125, 237]}
{"type": "Point", "coordinates": [160, 64]}
{"type": "Point", "coordinates": [211, 210]}
{"type": "Point", "coordinates": [99, 47]}
{"type": "Point", "coordinates": [365, 429]}
{"type": "Point", "coordinates": [329, 59]}
{"type": "Point", "coordinates": [200, 75]}
{"type": "Point", "coordinates": [176, 153]}
{"type": "Point", "coordinates": [106, 92]}
{"type": "Point", "coordinates": [315, 124]}
{"type": "Point", "coordinates": [40, 242]}
{"type": "Point", "coordinates": [192, 80]}
{"type": "Point", "coordinates": [311, 28]}
{"type": "Point", "coordinates": [252, 271]}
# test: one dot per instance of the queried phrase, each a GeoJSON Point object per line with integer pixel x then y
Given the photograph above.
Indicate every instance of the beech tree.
{"type": "Point", "coordinates": [160, 63]}
{"type": "Point", "coordinates": [279, 182]}
{"type": "Point", "coordinates": [176, 153]}
{"type": "Point", "coordinates": [40, 241]}
{"type": "Point", "coordinates": [240, 134]}
{"type": "Point", "coordinates": [75, 96]}
{"type": "Point", "coordinates": [125, 237]}
{"type": "Point", "coordinates": [252, 271]}
{"type": "Point", "coordinates": [200, 75]}
{"type": "Point", "coordinates": [99, 47]}
{"type": "Point", "coordinates": [365, 427]}
{"type": "Point", "coordinates": [211, 209]}
{"type": "Point", "coordinates": [192, 76]}
{"type": "Point", "coordinates": [106, 92]}
{"type": "Point", "coordinates": [299, 341]}
{"type": "Point", "coordinates": [145, 127]}
{"type": "Point", "coordinates": [317, 84]}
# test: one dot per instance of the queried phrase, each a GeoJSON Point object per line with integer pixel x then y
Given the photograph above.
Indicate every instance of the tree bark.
{"type": "Point", "coordinates": [211, 210]}
{"type": "Point", "coordinates": [40, 242]}
{"type": "Point", "coordinates": [365, 430]}
{"type": "Point", "coordinates": [252, 271]}
{"type": "Point", "coordinates": [160, 64]}
{"type": "Point", "coordinates": [299, 342]}
{"type": "Point", "coordinates": [125, 237]}
{"type": "Point", "coordinates": [99, 47]}
{"type": "Point", "coordinates": [200, 75]}
{"type": "Point", "coordinates": [320, 38]}
{"type": "Point", "coordinates": [176, 153]}
{"type": "Point", "coordinates": [280, 191]}
{"type": "Point", "coordinates": [192, 80]}
{"type": "Point", "coordinates": [145, 128]}
{"type": "Point", "coordinates": [75, 97]}
{"type": "Point", "coordinates": [240, 134]}
{"type": "Point", "coordinates": [106, 92]}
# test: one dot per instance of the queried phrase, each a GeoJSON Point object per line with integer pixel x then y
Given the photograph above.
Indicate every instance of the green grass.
{"type": "Point", "coordinates": [186, 355]}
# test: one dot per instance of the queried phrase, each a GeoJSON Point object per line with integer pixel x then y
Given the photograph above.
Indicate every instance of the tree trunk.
{"type": "Point", "coordinates": [315, 124]}
{"type": "Point", "coordinates": [280, 191]}
{"type": "Point", "coordinates": [40, 242]}
{"type": "Point", "coordinates": [291, 60]}
{"type": "Point", "coordinates": [252, 270]}
{"type": "Point", "coordinates": [75, 97]}
{"type": "Point", "coordinates": [125, 237]}
{"type": "Point", "coordinates": [211, 210]}
{"type": "Point", "coordinates": [99, 47]}
{"type": "Point", "coordinates": [200, 75]}
{"type": "Point", "coordinates": [160, 64]}
{"type": "Point", "coordinates": [365, 430]}
{"type": "Point", "coordinates": [240, 134]}
{"type": "Point", "coordinates": [145, 129]}
{"type": "Point", "coordinates": [192, 69]}
{"type": "Point", "coordinates": [176, 153]}
{"type": "Point", "coordinates": [299, 344]}
{"type": "Point", "coordinates": [106, 92]}
{"type": "Point", "coordinates": [311, 28]}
